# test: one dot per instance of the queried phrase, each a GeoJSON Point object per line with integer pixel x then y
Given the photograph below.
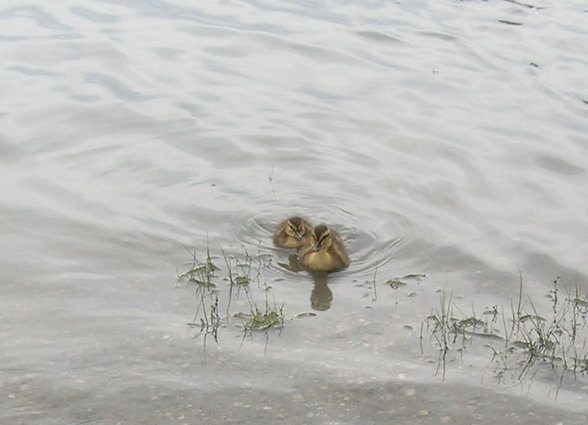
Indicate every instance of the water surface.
{"type": "Point", "coordinates": [445, 138]}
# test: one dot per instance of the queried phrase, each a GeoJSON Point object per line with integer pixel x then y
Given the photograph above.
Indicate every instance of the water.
{"type": "Point", "coordinates": [444, 138]}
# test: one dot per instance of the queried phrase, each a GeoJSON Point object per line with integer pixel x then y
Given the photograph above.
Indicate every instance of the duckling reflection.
{"type": "Point", "coordinates": [293, 232]}
{"type": "Point", "coordinates": [321, 295]}
{"type": "Point", "coordinates": [325, 252]}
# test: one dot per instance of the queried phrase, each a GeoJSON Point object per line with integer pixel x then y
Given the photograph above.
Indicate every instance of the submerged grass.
{"type": "Point", "coordinates": [262, 319]}
{"type": "Point", "coordinates": [449, 327]}
{"type": "Point", "coordinates": [529, 338]}
{"type": "Point", "coordinates": [523, 337]}
{"type": "Point", "coordinates": [265, 317]}
{"type": "Point", "coordinates": [200, 274]}
{"type": "Point", "coordinates": [242, 273]}
{"type": "Point", "coordinates": [557, 338]}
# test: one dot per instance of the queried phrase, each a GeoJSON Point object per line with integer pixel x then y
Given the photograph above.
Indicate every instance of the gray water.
{"type": "Point", "coordinates": [444, 138]}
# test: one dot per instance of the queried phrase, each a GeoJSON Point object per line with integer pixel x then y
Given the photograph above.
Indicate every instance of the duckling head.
{"type": "Point", "coordinates": [321, 238]}
{"type": "Point", "coordinates": [295, 228]}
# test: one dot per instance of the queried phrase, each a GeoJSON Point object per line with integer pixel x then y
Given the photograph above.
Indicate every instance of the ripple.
{"type": "Point", "coordinates": [256, 231]}
{"type": "Point", "coordinates": [118, 88]}
{"type": "Point", "coordinates": [558, 165]}
{"type": "Point", "coordinates": [38, 14]}
{"type": "Point", "coordinates": [366, 249]}
{"type": "Point", "coordinates": [369, 253]}
{"type": "Point", "coordinates": [94, 16]}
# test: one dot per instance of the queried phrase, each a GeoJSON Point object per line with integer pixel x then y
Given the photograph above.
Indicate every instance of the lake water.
{"type": "Point", "coordinates": [440, 138]}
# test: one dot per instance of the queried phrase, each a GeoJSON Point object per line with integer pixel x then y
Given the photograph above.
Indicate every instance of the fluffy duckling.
{"type": "Point", "coordinates": [292, 233]}
{"type": "Point", "coordinates": [326, 251]}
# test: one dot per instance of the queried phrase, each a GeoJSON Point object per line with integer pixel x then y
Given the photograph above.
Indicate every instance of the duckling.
{"type": "Point", "coordinates": [292, 233]}
{"type": "Point", "coordinates": [326, 251]}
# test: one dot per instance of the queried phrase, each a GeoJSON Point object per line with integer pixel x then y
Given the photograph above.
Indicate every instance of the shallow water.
{"type": "Point", "coordinates": [444, 138]}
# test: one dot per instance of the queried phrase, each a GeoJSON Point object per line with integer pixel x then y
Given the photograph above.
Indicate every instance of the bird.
{"type": "Point", "coordinates": [292, 233]}
{"type": "Point", "coordinates": [324, 251]}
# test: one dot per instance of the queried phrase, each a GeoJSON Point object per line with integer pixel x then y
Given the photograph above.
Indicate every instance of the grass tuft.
{"type": "Point", "coordinates": [243, 273]}
{"type": "Point", "coordinates": [556, 338]}
{"type": "Point", "coordinates": [200, 273]}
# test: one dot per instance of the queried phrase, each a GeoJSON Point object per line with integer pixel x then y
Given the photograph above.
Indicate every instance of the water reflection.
{"type": "Point", "coordinates": [321, 295]}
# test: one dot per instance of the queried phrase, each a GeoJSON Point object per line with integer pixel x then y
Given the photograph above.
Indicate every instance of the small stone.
{"type": "Point", "coordinates": [445, 419]}
{"type": "Point", "coordinates": [423, 412]}
{"type": "Point", "coordinates": [409, 392]}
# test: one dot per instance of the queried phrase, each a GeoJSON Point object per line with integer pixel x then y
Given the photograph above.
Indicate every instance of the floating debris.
{"type": "Point", "coordinates": [417, 276]}
{"type": "Point", "coordinates": [504, 21]}
{"type": "Point", "coordinates": [395, 283]}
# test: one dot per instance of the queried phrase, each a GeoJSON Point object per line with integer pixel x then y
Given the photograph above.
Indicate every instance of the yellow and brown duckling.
{"type": "Point", "coordinates": [325, 252]}
{"type": "Point", "coordinates": [293, 232]}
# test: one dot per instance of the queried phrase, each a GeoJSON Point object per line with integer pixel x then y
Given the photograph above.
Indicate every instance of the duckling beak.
{"type": "Point", "coordinates": [298, 236]}
{"type": "Point", "coordinates": [317, 247]}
